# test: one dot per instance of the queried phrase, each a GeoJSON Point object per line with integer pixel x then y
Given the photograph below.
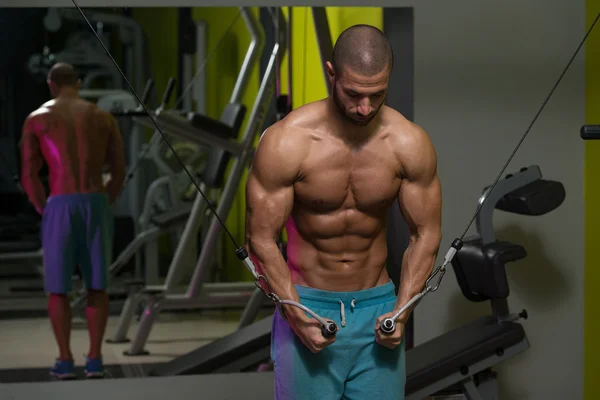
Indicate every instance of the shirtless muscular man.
{"type": "Point", "coordinates": [329, 172]}
{"type": "Point", "coordinates": [76, 139]}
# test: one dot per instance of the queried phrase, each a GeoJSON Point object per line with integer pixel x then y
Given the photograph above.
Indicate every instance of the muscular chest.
{"type": "Point", "coordinates": [335, 177]}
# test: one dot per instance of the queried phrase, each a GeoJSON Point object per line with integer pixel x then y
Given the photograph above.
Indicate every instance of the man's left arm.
{"type": "Point", "coordinates": [31, 163]}
{"type": "Point", "coordinates": [420, 200]}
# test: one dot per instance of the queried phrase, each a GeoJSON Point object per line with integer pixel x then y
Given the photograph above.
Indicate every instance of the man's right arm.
{"type": "Point", "coordinates": [32, 161]}
{"type": "Point", "coordinates": [115, 159]}
{"type": "Point", "coordinates": [269, 202]}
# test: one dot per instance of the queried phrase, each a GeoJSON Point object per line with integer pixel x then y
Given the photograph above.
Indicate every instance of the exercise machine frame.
{"type": "Point", "coordinates": [161, 297]}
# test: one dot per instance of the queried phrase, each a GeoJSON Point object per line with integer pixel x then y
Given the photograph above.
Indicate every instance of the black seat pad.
{"type": "Point", "coordinates": [481, 271]}
{"type": "Point", "coordinates": [134, 282]}
{"type": "Point", "coordinates": [473, 253]}
{"type": "Point", "coordinates": [153, 291]}
{"type": "Point", "coordinates": [172, 217]}
{"type": "Point", "coordinates": [19, 220]}
{"type": "Point", "coordinates": [446, 354]}
{"type": "Point", "coordinates": [212, 126]}
{"type": "Point", "coordinates": [21, 246]}
{"type": "Point", "coordinates": [220, 352]}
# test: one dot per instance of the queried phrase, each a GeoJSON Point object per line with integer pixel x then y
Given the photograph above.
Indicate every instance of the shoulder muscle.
{"type": "Point", "coordinates": [279, 155]}
{"type": "Point", "coordinates": [33, 123]}
{"type": "Point", "coordinates": [415, 153]}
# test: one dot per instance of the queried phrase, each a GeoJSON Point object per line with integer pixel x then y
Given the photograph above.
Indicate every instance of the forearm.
{"type": "Point", "coordinates": [114, 185]}
{"type": "Point", "coordinates": [32, 185]}
{"type": "Point", "coordinates": [270, 263]}
{"type": "Point", "coordinates": [417, 266]}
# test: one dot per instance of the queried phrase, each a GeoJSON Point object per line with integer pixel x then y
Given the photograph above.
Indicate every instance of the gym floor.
{"type": "Point", "coordinates": [29, 343]}
{"type": "Point", "coordinates": [28, 348]}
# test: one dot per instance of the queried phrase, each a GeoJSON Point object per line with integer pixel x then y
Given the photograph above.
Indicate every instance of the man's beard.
{"type": "Point", "coordinates": [349, 117]}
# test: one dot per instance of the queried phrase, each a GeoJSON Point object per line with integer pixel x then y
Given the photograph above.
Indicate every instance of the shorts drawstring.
{"type": "Point", "coordinates": [343, 310]}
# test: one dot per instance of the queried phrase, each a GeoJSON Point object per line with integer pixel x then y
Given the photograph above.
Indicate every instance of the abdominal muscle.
{"type": "Point", "coordinates": [339, 253]}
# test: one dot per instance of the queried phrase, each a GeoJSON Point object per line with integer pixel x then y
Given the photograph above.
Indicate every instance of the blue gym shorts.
{"type": "Point", "coordinates": [77, 230]}
{"type": "Point", "coordinates": [355, 366]}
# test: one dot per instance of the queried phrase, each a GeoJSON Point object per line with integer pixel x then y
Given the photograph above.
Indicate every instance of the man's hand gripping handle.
{"type": "Point", "coordinates": [388, 325]}
{"type": "Point", "coordinates": [328, 328]}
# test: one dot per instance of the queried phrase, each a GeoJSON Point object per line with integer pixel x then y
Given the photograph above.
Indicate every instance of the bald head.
{"type": "Point", "coordinates": [364, 50]}
{"type": "Point", "coordinates": [62, 74]}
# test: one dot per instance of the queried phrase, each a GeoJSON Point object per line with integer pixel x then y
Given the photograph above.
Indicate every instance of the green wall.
{"type": "Point", "coordinates": [161, 29]}
{"type": "Point", "coordinates": [222, 71]}
{"type": "Point", "coordinates": [308, 82]}
{"type": "Point", "coordinates": [162, 46]}
{"type": "Point", "coordinates": [161, 43]}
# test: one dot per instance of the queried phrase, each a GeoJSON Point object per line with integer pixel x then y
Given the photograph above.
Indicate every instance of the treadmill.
{"type": "Point", "coordinates": [458, 361]}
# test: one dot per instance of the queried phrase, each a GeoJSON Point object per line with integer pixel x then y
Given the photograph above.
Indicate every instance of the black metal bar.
{"type": "Point", "coordinates": [323, 40]}
{"type": "Point", "coordinates": [399, 27]}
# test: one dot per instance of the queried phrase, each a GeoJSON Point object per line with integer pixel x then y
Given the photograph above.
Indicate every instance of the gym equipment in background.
{"type": "Point", "coordinates": [83, 51]}
{"type": "Point", "coordinates": [102, 83]}
{"type": "Point", "coordinates": [220, 136]}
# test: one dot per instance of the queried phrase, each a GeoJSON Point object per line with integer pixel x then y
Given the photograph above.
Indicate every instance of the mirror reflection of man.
{"type": "Point", "coordinates": [76, 139]}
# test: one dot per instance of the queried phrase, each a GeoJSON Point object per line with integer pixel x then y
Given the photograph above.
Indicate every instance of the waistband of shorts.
{"type": "Point", "coordinates": [361, 298]}
{"type": "Point", "coordinates": [77, 197]}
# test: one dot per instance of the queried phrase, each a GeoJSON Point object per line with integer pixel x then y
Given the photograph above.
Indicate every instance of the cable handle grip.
{"type": "Point", "coordinates": [147, 90]}
{"type": "Point", "coordinates": [168, 92]}
{"type": "Point", "coordinates": [328, 328]}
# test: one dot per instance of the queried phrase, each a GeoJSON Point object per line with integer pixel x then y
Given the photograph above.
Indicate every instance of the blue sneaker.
{"type": "Point", "coordinates": [63, 369]}
{"type": "Point", "coordinates": [94, 368]}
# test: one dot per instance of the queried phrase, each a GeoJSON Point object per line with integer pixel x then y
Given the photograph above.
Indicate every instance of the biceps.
{"type": "Point", "coordinates": [420, 205]}
{"type": "Point", "coordinates": [267, 210]}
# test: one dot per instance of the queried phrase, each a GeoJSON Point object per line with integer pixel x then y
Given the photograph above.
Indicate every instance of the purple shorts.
{"type": "Point", "coordinates": [77, 230]}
